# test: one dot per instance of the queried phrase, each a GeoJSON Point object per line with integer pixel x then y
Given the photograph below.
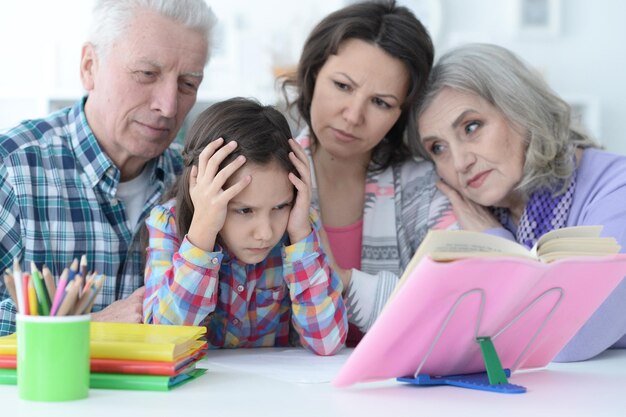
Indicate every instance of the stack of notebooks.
{"type": "Point", "coordinates": [131, 356]}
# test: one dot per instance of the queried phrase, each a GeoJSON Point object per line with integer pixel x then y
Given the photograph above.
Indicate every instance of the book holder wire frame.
{"type": "Point", "coordinates": [495, 377]}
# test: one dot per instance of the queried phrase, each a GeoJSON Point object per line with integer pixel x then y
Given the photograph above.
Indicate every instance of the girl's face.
{"type": "Point", "coordinates": [257, 217]}
{"type": "Point", "coordinates": [475, 148]}
{"type": "Point", "coordinates": [357, 99]}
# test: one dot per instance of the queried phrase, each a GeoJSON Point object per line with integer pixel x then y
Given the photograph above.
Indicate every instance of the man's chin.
{"type": "Point", "coordinates": [150, 149]}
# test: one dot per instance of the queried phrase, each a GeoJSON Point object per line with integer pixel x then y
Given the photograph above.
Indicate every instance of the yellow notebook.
{"type": "Point", "coordinates": [133, 341]}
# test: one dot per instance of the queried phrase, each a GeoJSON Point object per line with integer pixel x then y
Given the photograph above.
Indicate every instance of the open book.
{"type": "Point", "coordinates": [444, 245]}
{"type": "Point", "coordinates": [462, 285]}
{"type": "Point", "coordinates": [449, 245]}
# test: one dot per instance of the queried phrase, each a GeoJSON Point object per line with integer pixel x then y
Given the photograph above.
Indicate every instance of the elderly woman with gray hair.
{"type": "Point", "coordinates": [514, 164]}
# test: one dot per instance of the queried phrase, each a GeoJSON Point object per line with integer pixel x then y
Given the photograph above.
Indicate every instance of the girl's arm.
{"type": "Point", "coordinates": [181, 279]}
{"type": "Point", "coordinates": [318, 311]}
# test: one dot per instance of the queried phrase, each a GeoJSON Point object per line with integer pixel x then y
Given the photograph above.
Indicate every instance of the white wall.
{"type": "Point", "coordinates": [583, 62]}
{"type": "Point", "coordinates": [39, 50]}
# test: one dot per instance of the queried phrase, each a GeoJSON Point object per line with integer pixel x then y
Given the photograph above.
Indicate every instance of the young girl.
{"type": "Point", "coordinates": [238, 249]}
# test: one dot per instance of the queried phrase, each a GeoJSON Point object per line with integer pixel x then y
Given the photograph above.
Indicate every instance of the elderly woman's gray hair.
{"type": "Point", "coordinates": [527, 102]}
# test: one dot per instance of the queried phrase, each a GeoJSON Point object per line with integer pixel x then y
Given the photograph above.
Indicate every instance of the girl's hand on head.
{"type": "Point", "coordinates": [206, 189]}
{"type": "Point", "coordinates": [299, 225]}
{"type": "Point", "coordinates": [471, 216]}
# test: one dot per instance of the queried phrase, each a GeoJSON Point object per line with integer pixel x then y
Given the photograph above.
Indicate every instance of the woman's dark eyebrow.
{"type": "Point", "coordinates": [358, 85]}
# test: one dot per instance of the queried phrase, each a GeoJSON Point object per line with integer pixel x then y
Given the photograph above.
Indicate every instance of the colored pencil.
{"type": "Point", "coordinates": [50, 284]}
{"type": "Point", "coordinates": [25, 295]}
{"type": "Point", "coordinates": [60, 292]}
{"type": "Point", "coordinates": [38, 294]}
{"type": "Point", "coordinates": [83, 266]}
{"type": "Point", "coordinates": [73, 270]}
{"type": "Point", "coordinates": [88, 281]}
{"type": "Point", "coordinates": [19, 289]}
{"type": "Point", "coordinates": [40, 289]}
{"type": "Point", "coordinates": [10, 283]}
{"type": "Point", "coordinates": [70, 298]}
{"type": "Point", "coordinates": [33, 304]}
{"type": "Point", "coordinates": [93, 295]}
{"type": "Point", "coordinates": [85, 298]}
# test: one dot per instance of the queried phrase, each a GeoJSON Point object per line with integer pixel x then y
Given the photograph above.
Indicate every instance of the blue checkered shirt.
{"type": "Point", "coordinates": [57, 202]}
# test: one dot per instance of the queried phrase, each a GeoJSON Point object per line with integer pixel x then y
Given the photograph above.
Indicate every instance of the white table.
{"type": "Point", "coordinates": [291, 382]}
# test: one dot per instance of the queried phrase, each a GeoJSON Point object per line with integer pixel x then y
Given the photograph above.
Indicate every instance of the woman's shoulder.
{"type": "Point", "coordinates": [417, 169]}
{"type": "Point", "coordinates": [600, 174]}
{"type": "Point", "coordinates": [600, 163]}
{"type": "Point", "coordinates": [417, 179]}
{"type": "Point", "coordinates": [600, 192]}
{"type": "Point", "coordinates": [598, 157]}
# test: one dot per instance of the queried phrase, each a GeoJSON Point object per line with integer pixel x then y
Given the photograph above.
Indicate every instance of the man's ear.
{"type": "Point", "coordinates": [88, 66]}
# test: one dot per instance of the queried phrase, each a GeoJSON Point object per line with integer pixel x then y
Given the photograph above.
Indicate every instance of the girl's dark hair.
{"type": "Point", "coordinates": [262, 134]}
{"type": "Point", "coordinates": [395, 30]}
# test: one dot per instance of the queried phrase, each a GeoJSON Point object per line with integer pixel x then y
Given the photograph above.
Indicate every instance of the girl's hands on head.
{"type": "Point", "coordinates": [210, 199]}
{"type": "Point", "coordinates": [299, 225]}
{"type": "Point", "coordinates": [471, 216]}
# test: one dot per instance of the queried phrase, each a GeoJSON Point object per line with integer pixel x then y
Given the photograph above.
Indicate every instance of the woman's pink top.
{"type": "Point", "coordinates": [345, 243]}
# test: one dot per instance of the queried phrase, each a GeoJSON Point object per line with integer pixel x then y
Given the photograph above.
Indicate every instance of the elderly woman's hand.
{"type": "Point", "coordinates": [471, 216]}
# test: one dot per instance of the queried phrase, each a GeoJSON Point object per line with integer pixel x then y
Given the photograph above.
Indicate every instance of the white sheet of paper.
{"type": "Point", "coordinates": [296, 365]}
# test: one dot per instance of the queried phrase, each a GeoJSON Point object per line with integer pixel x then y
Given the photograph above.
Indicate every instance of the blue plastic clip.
{"type": "Point", "coordinates": [479, 381]}
{"type": "Point", "coordinates": [495, 379]}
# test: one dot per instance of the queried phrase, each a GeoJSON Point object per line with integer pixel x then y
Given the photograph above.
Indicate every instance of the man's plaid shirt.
{"type": "Point", "coordinates": [57, 202]}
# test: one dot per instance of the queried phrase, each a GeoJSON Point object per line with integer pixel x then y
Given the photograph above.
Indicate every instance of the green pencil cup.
{"type": "Point", "coordinates": [53, 357]}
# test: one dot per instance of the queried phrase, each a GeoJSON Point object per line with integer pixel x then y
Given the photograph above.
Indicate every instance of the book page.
{"type": "Point", "coordinates": [575, 241]}
{"type": "Point", "coordinates": [573, 231]}
{"type": "Point", "coordinates": [606, 245]}
{"type": "Point", "coordinates": [556, 256]}
{"type": "Point", "coordinates": [466, 243]}
{"type": "Point", "coordinates": [456, 244]}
